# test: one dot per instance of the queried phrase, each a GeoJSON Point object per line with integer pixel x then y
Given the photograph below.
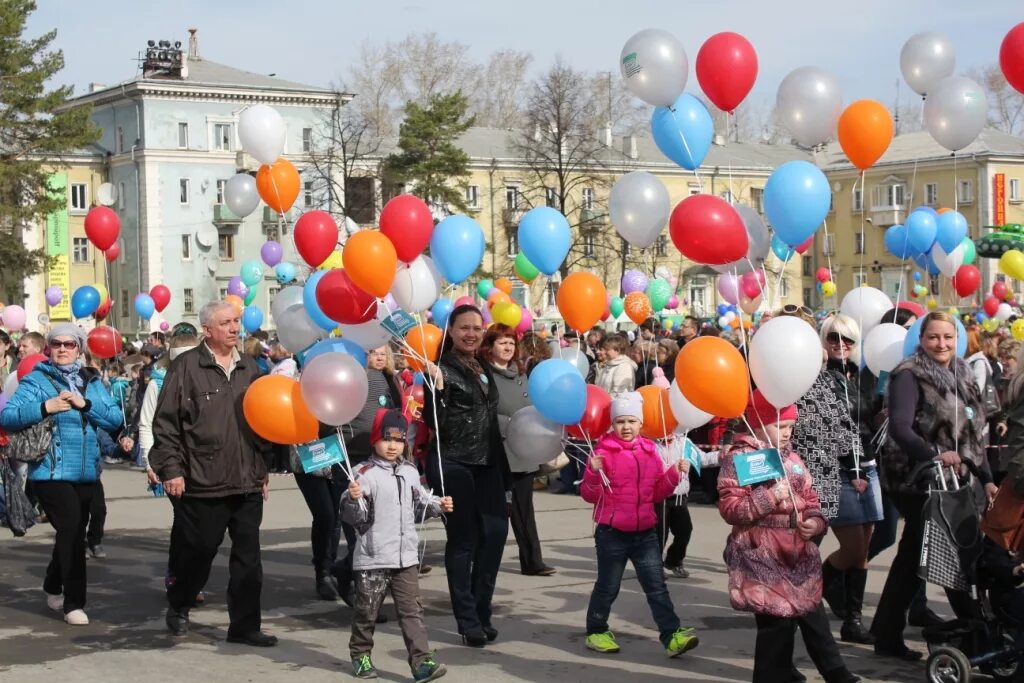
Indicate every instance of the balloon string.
{"type": "Point", "coordinates": [686, 145]}
{"type": "Point", "coordinates": [828, 252]}
{"type": "Point", "coordinates": [347, 466]}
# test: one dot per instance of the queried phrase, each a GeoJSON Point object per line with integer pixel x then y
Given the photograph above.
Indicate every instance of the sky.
{"type": "Point", "coordinates": [313, 42]}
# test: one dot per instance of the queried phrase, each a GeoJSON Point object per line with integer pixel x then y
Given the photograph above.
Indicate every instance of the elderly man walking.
{"type": "Point", "coordinates": [214, 465]}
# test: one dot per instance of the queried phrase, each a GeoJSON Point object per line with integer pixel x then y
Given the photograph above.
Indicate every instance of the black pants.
{"type": "Point", "coordinates": [524, 524]}
{"type": "Point", "coordinates": [323, 497]}
{"type": "Point", "coordinates": [97, 516]}
{"type": "Point", "coordinates": [675, 519]}
{"type": "Point", "coordinates": [773, 652]}
{"type": "Point", "coordinates": [201, 523]}
{"type": "Point", "coordinates": [66, 505]}
{"type": "Point", "coordinates": [476, 530]}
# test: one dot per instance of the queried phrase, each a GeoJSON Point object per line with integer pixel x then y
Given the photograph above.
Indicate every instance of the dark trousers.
{"type": "Point", "coordinates": [201, 524]}
{"type": "Point", "coordinates": [773, 652]}
{"type": "Point", "coordinates": [524, 524]}
{"type": "Point", "coordinates": [66, 505]}
{"type": "Point", "coordinates": [97, 516]}
{"type": "Point", "coordinates": [476, 531]}
{"type": "Point", "coordinates": [614, 549]}
{"type": "Point", "coordinates": [886, 530]}
{"type": "Point", "coordinates": [370, 588]}
{"type": "Point", "coordinates": [675, 519]}
{"type": "Point", "coordinates": [323, 497]}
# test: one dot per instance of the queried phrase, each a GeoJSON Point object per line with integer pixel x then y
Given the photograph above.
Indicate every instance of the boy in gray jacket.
{"type": "Point", "coordinates": [384, 503]}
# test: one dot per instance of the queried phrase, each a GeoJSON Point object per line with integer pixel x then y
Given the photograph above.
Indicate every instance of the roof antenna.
{"type": "Point", "coordinates": [193, 45]}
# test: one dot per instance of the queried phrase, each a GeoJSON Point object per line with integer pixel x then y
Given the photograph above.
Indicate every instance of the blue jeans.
{"type": "Point", "coordinates": [614, 549]}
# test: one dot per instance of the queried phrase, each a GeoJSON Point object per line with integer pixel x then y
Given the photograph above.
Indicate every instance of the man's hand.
{"type": "Point", "coordinates": [990, 492]}
{"type": "Point", "coordinates": [949, 458]}
{"type": "Point", "coordinates": [1001, 429]}
{"type": "Point", "coordinates": [152, 478]}
{"type": "Point", "coordinates": [355, 491]}
{"type": "Point", "coordinates": [447, 505]}
{"type": "Point", "coordinates": [266, 487]}
{"type": "Point", "coordinates": [175, 487]}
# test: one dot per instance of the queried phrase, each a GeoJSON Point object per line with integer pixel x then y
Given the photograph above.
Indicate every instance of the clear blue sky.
{"type": "Point", "coordinates": [858, 41]}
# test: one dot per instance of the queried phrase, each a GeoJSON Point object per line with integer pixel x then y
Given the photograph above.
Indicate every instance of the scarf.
{"type": "Point", "coordinates": [957, 379]}
{"type": "Point", "coordinates": [70, 373]}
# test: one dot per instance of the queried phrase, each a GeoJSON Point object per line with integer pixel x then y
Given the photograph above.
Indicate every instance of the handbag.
{"type": "Point", "coordinates": [1004, 521]}
{"type": "Point", "coordinates": [951, 539]}
{"type": "Point", "coordinates": [32, 444]}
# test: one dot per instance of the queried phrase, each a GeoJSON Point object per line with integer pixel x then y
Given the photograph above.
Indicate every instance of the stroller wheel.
{"type": "Point", "coordinates": [1005, 669]}
{"type": "Point", "coordinates": [948, 665]}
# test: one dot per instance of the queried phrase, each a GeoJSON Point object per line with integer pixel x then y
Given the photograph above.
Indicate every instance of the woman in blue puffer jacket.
{"type": "Point", "coordinates": [64, 481]}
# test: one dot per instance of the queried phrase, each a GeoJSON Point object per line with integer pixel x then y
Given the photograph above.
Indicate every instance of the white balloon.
{"type": "Point", "coordinates": [883, 347]}
{"type": "Point", "coordinates": [532, 438]}
{"type": "Point", "coordinates": [577, 358]}
{"type": "Point", "coordinates": [785, 359]}
{"type": "Point", "coordinates": [926, 58]}
{"type": "Point", "coordinates": [240, 194]}
{"type": "Point", "coordinates": [949, 263]}
{"type": "Point", "coordinates": [687, 415]}
{"type": "Point", "coordinates": [369, 335]}
{"type": "Point", "coordinates": [1004, 312]}
{"type": "Point", "coordinates": [639, 207]}
{"type": "Point", "coordinates": [416, 285]}
{"type": "Point", "coordinates": [295, 329]}
{"type": "Point", "coordinates": [261, 131]}
{"type": "Point", "coordinates": [955, 112]}
{"type": "Point", "coordinates": [808, 104]}
{"type": "Point", "coordinates": [654, 66]}
{"type": "Point", "coordinates": [11, 385]}
{"type": "Point", "coordinates": [866, 305]}
{"type": "Point", "coordinates": [758, 243]}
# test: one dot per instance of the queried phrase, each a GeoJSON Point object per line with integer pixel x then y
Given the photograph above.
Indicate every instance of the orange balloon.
{"type": "Point", "coordinates": [498, 297]}
{"type": "Point", "coordinates": [236, 302]}
{"type": "Point", "coordinates": [659, 421]}
{"type": "Point", "coordinates": [581, 300]}
{"type": "Point", "coordinates": [637, 307]}
{"type": "Point", "coordinates": [278, 184]}
{"type": "Point", "coordinates": [274, 408]}
{"type": "Point", "coordinates": [504, 284]}
{"type": "Point", "coordinates": [425, 341]}
{"type": "Point", "coordinates": [370, 260]}
{"type": "Point", "coordinates": [943, 210]}
{"type": "Point", "coordinates": [865, 131]}
{"type": "Point", "coordinates": [714, 376]}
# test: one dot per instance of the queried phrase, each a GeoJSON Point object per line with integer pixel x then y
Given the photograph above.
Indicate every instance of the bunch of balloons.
{"type": "Point", "coordinates": [826, 285]}
{"type": "Point", "coordinates": [937, 241]}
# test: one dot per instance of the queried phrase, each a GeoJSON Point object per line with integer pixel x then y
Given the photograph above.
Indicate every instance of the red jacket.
{"type": "Point", "coordinates": [638, 479]}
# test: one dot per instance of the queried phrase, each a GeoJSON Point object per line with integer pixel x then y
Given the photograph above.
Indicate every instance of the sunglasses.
{"type": "Point", "coordinates": [836, 338]}
{"type": "Point", "coordinates": [793, 309]}
{"type": "Point", "coordinates": [58, 344]}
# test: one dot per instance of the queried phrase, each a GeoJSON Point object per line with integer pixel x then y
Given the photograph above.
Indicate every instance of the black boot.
{"type": "Point", "coordinates": [840, 675]}
{"type": "Point", "coordinates": [833, 589]}
{"type": "Point", "coordinates": [920, 614]}
{"type": "Point", "coordinates": [853, 630]}
{"type": "Point", "coordinates": [326, 587]}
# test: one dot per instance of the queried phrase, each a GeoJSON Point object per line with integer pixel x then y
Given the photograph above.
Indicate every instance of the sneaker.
{"type": "Point", "coordinates": [76, 618]}
{"type": "Point", "coordinates": [55, 602]}
{"type": "Point", "coordinates": [362, 667]}
{"type": "Point", "coordinates": [107, 460]}
{"type": "Point", "coordinates": [678, 571]}
{"type": "Point", "coordinates": [429, 670]}
{"type": "Point", "coordinates": [683, 640]}
{"type": "Point", "coordinates": [97, 551]}
{"type": "Point", "coordinates": [602, 642]}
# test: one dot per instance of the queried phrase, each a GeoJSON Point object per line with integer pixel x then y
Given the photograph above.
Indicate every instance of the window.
{"type": "Point", "coordinates": [182, 135]}
{"type": "Point", "coordinates": [828, 247]}
{"type": "Point", "coordinates": [1014, 189]}
{"type": "Point", "coordinates": [272, 293]}
{"type": "Point", "coordinates": [511, 197]}
{"type": "Point", "coordinates": [79, 197]}
{"type": "Point", "coordinates": [221, 187]}
{"type": "Point", "coordinates": [550, 197]}
{"type": "Point", "coordinates": [222, 137]}
{"type": "Point", "coordinates": [80, 253]}
{"type": "Point", "coordinates": [858, 199]}
{"type": "Point", "coordinates": [550, 294]}
{"type": "Point", "coordinates": [120, 196]}
{"type": "Point", "coordinates": [694, 188]}
{"type": "Point", "coordinates": [784, 287]}
{"type": "Point", "coordinates": [931, 194]}
{"type": "Point", "coordinates": [889, 196]}
{"type": "Point", "coordinates": [307, 139]}
{"type": "Point", "coordinates": [807, 296]}
{"type": "Point", "coordinates": [226, 247]}
{"type": "Point", "coordinates": [698, 297]}
{"type": "Point", "coordinates": [188, 301]}
{"type": "Point", "coordinates": [361, 199]}
{"type": "Point", "coordinates": [183, 190]}
{"type": "Point", "coordinates": [661, 245]}
{"type": "Point", "coordinates": [124, 303]}
{"type": "Point", "coordinates": [119, 143]}
{"type": "Point", "coordinates": [727, 196]}
{"type": "Point", "coordinates": [473, 196]}
{"type": "Point", "coordinates": [123, 259]}
{"type": "Point", "coordinates": [965, 192]}
{"type": "Point", "coordinates": [858, 244]}
{"type": "Point", "coordinates": [307, 193]}
{"type": "Point", "coordinates": [271, 232]}
{"type": "Point", "coordinates": [512, 237]}
{"type": "Point", "coordinates": [757, 199]}
{"type": "Point", "coordinates": [806, 266]}
{"type": "Point", "coordinates": [588, 198]}
{"type": "Point", "coordinates": [860, 278]}
{"type": "Point", "coordinates": [223, 293]}
{"type": "Point", "coordinates": [588, 244]}
{"type": "Point", "coordinates": [933, 283]}
{"type": "Point", "coordinates": [186, 247]}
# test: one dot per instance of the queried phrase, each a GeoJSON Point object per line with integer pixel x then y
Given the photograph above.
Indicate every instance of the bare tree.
{"type": "Point", "coordinates": [375, 77]}
{"type": "Point", "coordinates": [1006, 105]}
{"type": "Point", "coordinates": [499, 95]}
{"type": "Point", "coordinates": [616, 107]}
{"type": "Point", "coordinates": [429, 66]}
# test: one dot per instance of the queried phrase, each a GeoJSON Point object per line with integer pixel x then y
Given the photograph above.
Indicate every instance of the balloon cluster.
{"type": "Point", "coordinates": [937, 242]}
{"type": "Point", "coordinates": [744, 291]}
{"type": "Point", "coordinates": [826, 285]}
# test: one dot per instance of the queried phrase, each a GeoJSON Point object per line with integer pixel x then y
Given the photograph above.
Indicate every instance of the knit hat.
{"type": "Point", "coordinates": [630, 403]}
{"type": "Point", "coordinates": [388, 423]}
{"type": "Point", "coordinates": [67, 330]}
{"type": "Point", "coordinates": [761, 412]}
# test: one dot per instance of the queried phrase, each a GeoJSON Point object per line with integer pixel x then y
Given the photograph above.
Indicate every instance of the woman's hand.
{"type": "Point", "coordinates": [807, 528]}
{"type": "Point", "coordinates": [990, 492]}
{"type": "Point", "coordinates": [447, 505]}
{"type": "Point", "coordinates": [355, 491]}
{"type": "Point", "coordinates": [77, 401]}
{"type": "Point", "coordinates": [57, 404]}
{"type": "Point", "coordinates": [1001, 429]}
{"type": "Point", "coordinates": [949, 458]}
{"type": "Point", "coordinates": [859, 485]}
{"type": "Point", "coordinates": [434, 373]}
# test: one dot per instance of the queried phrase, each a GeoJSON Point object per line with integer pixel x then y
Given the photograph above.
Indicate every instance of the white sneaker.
{"type": "Point", "coordinates": [76, 617]}
{"type": "Point", "coordinates": [55, 602]}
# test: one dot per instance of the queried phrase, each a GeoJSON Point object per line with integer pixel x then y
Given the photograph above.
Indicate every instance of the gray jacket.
{"type": "Point", "coordinates": [394, 501]}
{"type": "Point", "coordinates": [512, 396]}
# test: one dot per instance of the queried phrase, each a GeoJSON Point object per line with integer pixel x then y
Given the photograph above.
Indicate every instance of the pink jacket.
{"type": "Point", "coordinates": [638, 479]}
{"type": "Point", "coordinates": [772, 570]}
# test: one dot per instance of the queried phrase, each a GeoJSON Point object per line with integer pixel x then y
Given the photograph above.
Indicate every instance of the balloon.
{"type": "Point", "coordinates": [575, 357]}
{"type": "Point", "coordinates": [955, 112]}
{"type": "Point", "coordinates": [316, 236]}
{"type": "Point", "coordinates": [1012, 263]}
{"type": "Point", "coordinates": [252, 318]}
{"type": "Point", "coordinates": [484, 287]}
{"type": "Point", "coordinates": [408, 222]}
{"type": "Point", "coordinates": [441, 309]}
{"type": "Point", "coordinates": [684, 131]}
{"type": "Point", "coordinates": [368, 335]}
{"type": "Point", "coordinates": [240, 194]}
{"type": "Point", "coordinates": [673, 304]}
{"type": "Point", "coordinates": [250, 296]}
{"type": "Point", "coordinates": [144, 306]}
{"type": "Point", "coordinates": [102, 227]}
{"type": "Point", "coordinates": [498, 297]}
{"type": "Point", "coordinates": [11, 384]}
{"type": "Point", "coordinates": [921, 231]}
{"type": "Point", "coordinates": [828, 289]}
{"type": "Point", "coordinates": [425, 342]}
{"type": "Point", "coordinates": [726, 69]}
{"type": "Point", "coordinates": [544, 237]}
{"type": "Point", "coordinates": [251, 272]}
{"type": "Point", "coordinates": [967, 280]}
{"type": "Point", "coordinates": [913, 338]}
{"type": "Point", "coordinates": [54, 295]}
{"type": "Point", "coordinates": [457, 247]}
{"type": "Point", "coordinates": [658, 293]}
{"type": "Point", "coordinates": [274, 408]}
{"type": "Point", "coordinates": [526, 271]}
{"type": "Point", "coordinates": [781, 250]}
{"type": "Point", "coordinates": [897, 242]}
{"type": "Point", "coordinates": [1011, 57]}
{"type": "Point", "coordinates": [991, 305]}
{"type": "Point", "coordinates": [866, 305]}
{"type": "Point", "coordinates": [616, 306]}
{"type": "Point", "coordinates": [951, 229]}
{"type": "Point", "coordinates": [334, 387]}
{"type": "Point", "coordinates": [1004, 312]}
{"type": "Point", "coordinates": [261, 131]}
{"type": "Point", "coordinates": [416, 285]}
{"type": "Point", "coordinates": [342, 301]}
{"type": "Point", "coordinates": [797, 198]}
{"type": "Point", "coordinates": [808, 105]}
{"type": "Point", "coordinates": [752, 284]}
{"type": "Point", "coordinates": [970, 251]}
{"type": "Point", "coordinates": [729, 287]}
{"type": "Point", "coordinates": [236, 303]}
{"type": "Point", "coordinates": [271, 252]}
{"type": "Point", "coordinates": [278, 184]}
{"type": "Point", "coordinates": [637, 307]}
{"type": "Point", "coordinates": [925, 261]}
{"type": "Point", "coordinates": [654, 66]}
{"type": "Point", "coordinates": [558, 391]}
{"type": "Point", "coordinates": [104, 310]}
{"type": "Point", "coordinates": [716, 376]}
{"type": "Point", "coordinates": [634, 281]}
{"type": "Point", "coordinates": [504, 284]}
{"type": "Point", "coordinates": [112, 252]}
{"type": "Point", "coordinates": [823, 274]}
{"type": "Point", "coordinates": [758, 240]}
{"type": "Point", "coordinates": [27, 364]}
{"type": "Point", "coordinates": [949, 263]}
{"type": "Point", "coordinates": [581, 300]}
{"type": "Point", "coordinates": [370, 260]}
{"type": "Point", "coordinates": [84, 302]}
{"type": "Point", "coordinates": [104, 341]}
{"type": "Point", "coordinates": [865, 131]}
{"type": "Point", "coordinates": [883, 347]}
{"type": "Point", "coordinates": [686, 414]}
{"type": "Point", "coordinates": [295, 329]}
{"type": "Point", "coordinates": [926, 58]}
{"type": "Point", "coordinates": [532, 438]}
{"type": "Point", "coordinates": [1017, 329]}
{"type": "Point", "coordinates": [237, 287]}
{"type": "Point", "coordinates": [659, 421]}
{"type": "Point", "coordinates": [1000, 291]}
{"type": "Point", "coordinates": [597, 416]}
{"type": "Point", "coordinates": [785, 359]}
{"type": "Point", "coordinates": [507, 314]}
{"type": "Point", "coordinates": [464, 301]}
{"type": "Point", "coordinates": [285, 272]}
{"type": "Point", "coordinates": [706, 229]}
{"type": "Point", "coordinates": [639, 206]}
{"type": "Point", "coordinates": [332, 261]}
{"type": "Point", "coordinates": [750, 304]}
{"type": "Point", "coordinates": [525, 322]}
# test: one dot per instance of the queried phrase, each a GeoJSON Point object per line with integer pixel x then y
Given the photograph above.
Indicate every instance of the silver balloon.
{"type": "Point", "coordinates": [334, 388]}
{"type": "Point", "coordinates": [639, 206]}
{"type": "Point", "coordinates": [654, 66]}
{"type": "Point", "coordinates": [369, 335]}
{"type": "Point", "coordinates": [955, 112]}
{"type": "Point", "coordinates": [295, 329]}
{"type": "Point", "coordinates": [926, 58]}
{"type": "Point", "coordinates": [576, 357]}
{"type": "Point", "coordinates": [758, 241]}
{"type": "Point", "coordinates": [240, 194]}
{"type": "Point", "coordinates": [808, 104]}
{"type": "Point", "coordinates": [533, 438]}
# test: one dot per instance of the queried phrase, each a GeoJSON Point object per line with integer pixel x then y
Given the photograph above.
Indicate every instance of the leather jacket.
{"type": "Point", "coordinates": [467, 414]}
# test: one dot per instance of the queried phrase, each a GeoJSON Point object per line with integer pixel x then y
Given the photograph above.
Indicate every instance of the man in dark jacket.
{"type": "Point", "coordinates": [209, 459]}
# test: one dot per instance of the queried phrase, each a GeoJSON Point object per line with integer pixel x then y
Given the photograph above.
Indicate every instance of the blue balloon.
{"type": "Point", "coordinates": [781, 249]}
{"type": "Point", "coordinates": [441, 309]}
{"type": "Point", "coordinates": [921, 231]}
{"type": "Point", "coordinates": [285, 272]}
{"type": "Point", "coordinates": [457, 247]}
{"type": "Point", "coordinates": [85, 301]}
{"type": "Point", "coordinates": [251, 272]}
{"type": "Point", "coordinates": [722, 309]}
{"type": "Point", "coordinates": [897, 242]}
{"type": "Point", "coordinates": [683, 132]}
{"type": "Point", "coordinates": [558, 391]}
{"type": "Point", "coordinates": [418, 379]}
{"type": "Point", "coordinates": [252, 318]}
{"type": "Point", "coordinates": [926, 262]}
{"type": "Point", "coordinates": [335, 345]}
{"type": "Point", "coordinates": [913, 338]}
{"type": "Point", "coordinates": [144, 306]}
{"type": "Point", "coordinates": [917, 276]}
{"type": "Point", "coordinates": [312, 307]}
{"type": "Point", "coordinates": [951, 229]}
{"type": "Point", "coordinates": [981, 317]}
{"type": "Point", "coordinates": [928, 210]}
{"type": "Point", "coordinates": [797, 198]}
{"type": "Point", "coordinates": [544, 238]}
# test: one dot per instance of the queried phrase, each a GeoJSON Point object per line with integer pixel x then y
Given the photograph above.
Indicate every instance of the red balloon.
{"type": "Point", "coordinates": [805, 245]}
{"type": "Point", "coordinates": [407, 221]}
{"type": "Point", "coordinates": [966, 280]}
{"type": "Point", "coordinates": [823, 275]}
{"type": "Point", "coordinates": [104, 342]}
{"type": "Point", "coordinates": [999, 291]}
{"type": "Point", "coordinates": [991, 306]}
{"type": "Point", "coordinates": [29, 363]}
{"type": "Point", "coordinates": [607, 313]}
{"type": "Point", "coordinates": [597, 418]}
{"type": "Point", "coordinates": [104, 310]}
{"type": "Point", "coordinates": [316, 236]}
{"type": "Point", "coordinates": [916, 309]}
{"type": "Point", "coordinates": [752, 284]}
{"type": "Point", "coordinates": [706, 229]}
{"type": "Point", "coordinates": [113, 252]}
{"type": "Point", "coordinates": [1011, 57]}
{"type": "Point", "coordinates": [102, 227]}
{"type": "Point", "coordinates": [161, 297]}
{"type": "Point", "coordinates": [342, 301]}
{"type": "Point", "coordinates": [726, 69]}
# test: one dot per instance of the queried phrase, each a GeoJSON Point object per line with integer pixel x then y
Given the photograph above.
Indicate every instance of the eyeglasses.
{"type": "Point", "coordinates": [793, 309]}
{"type": "Point", "coordinates": [58, 344]}
{"type": "Point", "coordinates": [835, 338]}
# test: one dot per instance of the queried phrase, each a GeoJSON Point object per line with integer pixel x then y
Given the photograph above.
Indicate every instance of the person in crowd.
{"type": "Point", "coordinates": [253, 348]}
{"type": "Point", "coordinates": [689, 330]}
{"type": "Point", "coordinates": [8, 357]}
{"type": "Point", "coordinates": [773, 563]}
{"type": "Point", "coordinates": [673, 513]}
{"type": "Point", "coordinates": [158, 339]}
{"type": "Point", "coordinates": [645, 355]}
{"type": "Point", "coordinates": [74, 398]}
{"type": "Point", "coordinates": [618, 373]}
{"type": "Point", "coordinates": [596, 335]}
{"type": "Point", "coordinates": [935, 413]}
{"type": "Point", "coordinates": [151, 353]}
{"type": "Point", "coordinates": [384, 504]}
{"type": "Point", "coordinates": [625, 478]}
{"type": "Point", "coordinates": [666, 357]}
{"type": "Point", "coordinates": [1009, 349]}
{"type": "Point", "coordinates": [649, 329]}
{"type": "Point", "coordinates": [206, 454]}
{"type": "Point", "coordinates": [472, 468]}
{"type": "Point", "coordinates": [282, 361]}
{"type": "Point", "coordinates": [533, 349]}
{"type": "Point", "coordinates": [31, 344]}
{"type": "Point", "coordinates": [983, 358]}
{"type": "Point", "coordinates": [499, 352]}
{"type": "Point", "coordinates": [1012, 458]}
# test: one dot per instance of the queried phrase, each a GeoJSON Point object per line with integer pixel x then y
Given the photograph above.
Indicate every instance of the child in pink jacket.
{"type": "Point", "coordinates": [624, 479]}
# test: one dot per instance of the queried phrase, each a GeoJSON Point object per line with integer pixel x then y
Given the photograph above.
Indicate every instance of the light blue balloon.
{"type": "Point", "coordinates": [457, 247]}
{"type": "Point", "coordinates": [252, 318]}
{"type": "Point", "coordinates": [544, 238]}
{"type": "Point", "coordinates": [921, 230]}
{"type": "Point", "coordinates": [913, 338]}
{"type": "Point", "coordinates": [781, 249]}
{"type": "Point", "coordinates": [683, 132]}
{"type": "Point", "coordinates": [898, 243]}
{"type": "Point", "coordinates": [144, 306]}
{"type": "Point", "coordinates": [797, 198]}
{"type": "Point", "coordinates": [85, 301]}
{"type": "Point", "coordinates": [926, 262]}
{"type": "Point", "coordinates": [285, 272]}
{"type": "Point", "coordinates": [917, 276]}
{"type": "Point", "coordinates": [440, 311]}
{"type": "Point", "coordinates": [335, 345]}
{"type": "Point", "coordinates": [951, 229]}
{"type": "Point", "coordinates": [312, 307]}
{"type": "Point", "coordinates": [251, 272]}
{"type": "Point", "coordinates": [558, 391]}
{"type": "Point", "coordinates": [980, 317]}
{"type": "Point", "coordinates": [928, 210]}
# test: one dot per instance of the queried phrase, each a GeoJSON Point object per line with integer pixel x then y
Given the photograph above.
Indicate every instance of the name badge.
{"type": "Point", "coordinates": [755, 467]}
{"type": "Point", "coordinates": [969, 411]}
{"type": "Point", "coordinates": [383, 401]}
{"type": "Point", "coordinates": [483, 378]}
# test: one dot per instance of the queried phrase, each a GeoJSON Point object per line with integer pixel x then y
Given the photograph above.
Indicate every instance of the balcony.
{"type": "Point", "coordinates": [270, 217]}
{"type": "Point", "coordinates": [593, 218]}
{"type": "Point", "coordinates": [884, 216]}
{"type": "Point", "coordinates": [222, 215]}
{"type": "Point", "coordinates": [511, 217]}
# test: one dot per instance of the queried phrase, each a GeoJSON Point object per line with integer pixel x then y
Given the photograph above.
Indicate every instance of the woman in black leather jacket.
{"type": "Point", "coordinates": [467, 462]}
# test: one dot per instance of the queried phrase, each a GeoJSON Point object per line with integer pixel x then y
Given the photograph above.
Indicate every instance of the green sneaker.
{"type": "Point", "coordinates": [602, 642]}
{"type": "Point", "coordinates": [362, 667]}
{"type": "Point", "coordinates": [683, 640]}
{"type": "Point", "coordinates": [429, 670]}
